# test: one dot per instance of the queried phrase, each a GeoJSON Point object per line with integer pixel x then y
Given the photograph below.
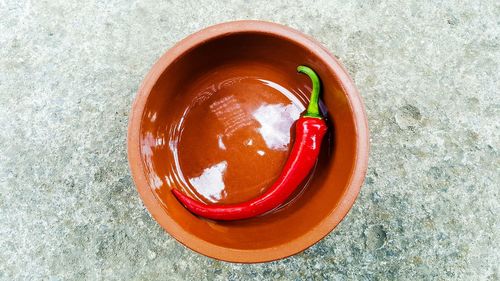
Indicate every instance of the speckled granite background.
{"type": "Point", "coordinates": [428, 72]}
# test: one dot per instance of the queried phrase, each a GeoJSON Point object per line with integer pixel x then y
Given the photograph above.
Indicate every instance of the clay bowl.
{"type": "Point", "coordinates": [212, 119]}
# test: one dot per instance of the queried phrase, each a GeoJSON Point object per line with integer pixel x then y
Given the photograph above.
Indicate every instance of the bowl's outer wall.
{"type": "Point", "coordinates": [339, 173]}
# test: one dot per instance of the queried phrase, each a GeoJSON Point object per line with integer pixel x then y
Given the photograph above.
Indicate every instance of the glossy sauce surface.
{"type": "Point", "coordinates": [231, 131]}
{"type": "Point", "coordinates": [235, 135]}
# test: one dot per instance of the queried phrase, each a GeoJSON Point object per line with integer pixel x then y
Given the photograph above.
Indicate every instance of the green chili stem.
{"type": "Point", "coordinates": [313, 108]}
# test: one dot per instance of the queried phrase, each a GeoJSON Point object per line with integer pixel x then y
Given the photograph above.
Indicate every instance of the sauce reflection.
{"type": "Point", "coordinates": [275, 121]}
{"type": "Point", "coordinates": [210, 184]}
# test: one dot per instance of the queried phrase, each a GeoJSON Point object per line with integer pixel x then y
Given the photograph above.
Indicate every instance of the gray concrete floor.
{"type": "Point", "coordinates": [428, 72]}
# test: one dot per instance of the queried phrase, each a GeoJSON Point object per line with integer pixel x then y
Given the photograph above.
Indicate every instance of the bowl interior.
{"type": "Point", "coordinates": [216, 125]}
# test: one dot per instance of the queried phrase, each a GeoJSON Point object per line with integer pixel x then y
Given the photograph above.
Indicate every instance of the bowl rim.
{"type": "Point", "coordinates": [315, 234]}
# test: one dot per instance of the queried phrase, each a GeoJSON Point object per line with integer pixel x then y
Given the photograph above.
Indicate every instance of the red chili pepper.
{"type": "Point", "coordinates": [309, 132]}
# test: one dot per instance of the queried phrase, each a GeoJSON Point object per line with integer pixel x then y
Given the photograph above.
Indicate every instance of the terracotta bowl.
{"type": "Point", "coordinates": [213, 119]}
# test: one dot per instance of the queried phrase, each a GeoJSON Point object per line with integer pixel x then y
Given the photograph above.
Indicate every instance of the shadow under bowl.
{"type": "Point", "coordinates": [213, 117]}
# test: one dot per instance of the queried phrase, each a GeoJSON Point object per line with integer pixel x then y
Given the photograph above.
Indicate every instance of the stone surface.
{"type": "Point", "coordinates": [428, 72]}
